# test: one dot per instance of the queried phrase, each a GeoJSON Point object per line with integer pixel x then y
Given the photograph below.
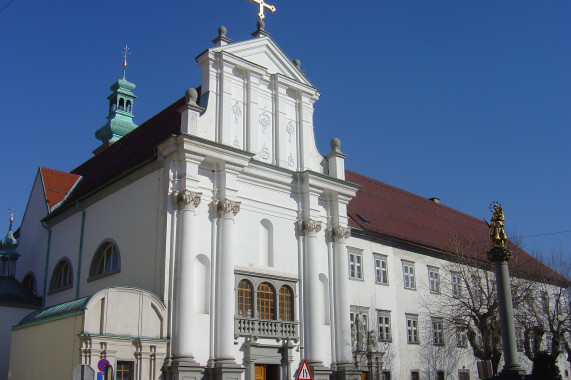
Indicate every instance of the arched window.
{"type": "Point", "coordinates": [245, 299]}
{"type": "Point", "coordinates": [128, 108]}
{"type": "Point", "coordinates": [29, 283]}
{"type": "Point", "coordinates": [105, 261]}
{"type": "Point", "coordinates": [121, 104]}
{"type": "Point", "coordinates": [62, 277]}
{"type": "Point", "coordinates": [266, 301]}
{"type": "Point", "coordinates": [286, 303]}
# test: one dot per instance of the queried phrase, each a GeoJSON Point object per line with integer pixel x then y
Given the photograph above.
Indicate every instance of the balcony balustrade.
{"type": "Point", "coordinates": [263, 328]}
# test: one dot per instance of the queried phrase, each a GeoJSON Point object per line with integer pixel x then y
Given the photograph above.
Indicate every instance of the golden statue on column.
{"type": "Point", "coordinates": [497, 227]}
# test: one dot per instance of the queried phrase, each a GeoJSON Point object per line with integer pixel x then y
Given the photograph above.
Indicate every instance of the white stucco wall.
{"type": "Point", "coordinates": [33, 237]}
{"type": "Point", "coordinates": [127, 216]}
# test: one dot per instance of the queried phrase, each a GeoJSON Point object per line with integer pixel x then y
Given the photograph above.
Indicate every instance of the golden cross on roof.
{"type": "Point", "coordinates": [125, 52]}
{"type": "Point", "coordinates": [263, 5]}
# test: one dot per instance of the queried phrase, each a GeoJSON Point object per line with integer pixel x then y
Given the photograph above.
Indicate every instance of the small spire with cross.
{"type": "Point", "coordinates": [125, 53]}
{"type": "Point", "coordinates": [12, 209]}
{"type": "Point", "coordinates": [263, 5]}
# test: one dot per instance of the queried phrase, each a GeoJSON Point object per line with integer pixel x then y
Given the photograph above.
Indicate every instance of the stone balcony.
{"type": "Point", "coordinates": [263, 328]}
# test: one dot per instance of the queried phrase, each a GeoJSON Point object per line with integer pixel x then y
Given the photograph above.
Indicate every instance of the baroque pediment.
{"type": "Point", "coordinates": [263, 51]}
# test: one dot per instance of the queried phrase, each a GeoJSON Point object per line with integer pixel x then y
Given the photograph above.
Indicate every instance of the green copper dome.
{"type": "Point", "coordinates": [9, 243]}
{"type": "Point", "coordinates": [120, 117]}
{"type": "Point", "coordinates": [8, 253]}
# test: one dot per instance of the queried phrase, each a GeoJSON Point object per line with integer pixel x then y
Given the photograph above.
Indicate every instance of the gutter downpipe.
{"type": "Point", "coordinates": [43, 224]}
{"type": "Point", "coordinates": [80, 248]}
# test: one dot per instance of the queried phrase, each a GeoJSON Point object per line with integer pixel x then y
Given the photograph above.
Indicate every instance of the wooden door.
{"type": "Point", "coordinates": [260, 372]}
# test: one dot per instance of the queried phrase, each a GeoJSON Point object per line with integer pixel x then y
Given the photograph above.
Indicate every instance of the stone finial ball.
{"type": "Point", "coordinates": [335, 143]}
{"type": "Point", "coordinates": [191, 94]}
{"type": "Point", "coordinates": [297, 63]}
{"type": "Point", "coordinates": [222, 31]}
{"type": "Point", "coordinates": [261, 25]}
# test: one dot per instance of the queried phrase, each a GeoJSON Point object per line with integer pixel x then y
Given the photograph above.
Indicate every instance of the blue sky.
{"type": "Point", "coordinates": [468, 101]}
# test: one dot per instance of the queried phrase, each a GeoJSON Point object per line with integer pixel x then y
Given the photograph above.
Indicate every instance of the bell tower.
{"type": "Point", "coordinates": [120, 117]}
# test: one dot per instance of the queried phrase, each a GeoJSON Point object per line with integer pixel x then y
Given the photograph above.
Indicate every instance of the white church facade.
{"type": "Point", "coordinates": [214, 241]}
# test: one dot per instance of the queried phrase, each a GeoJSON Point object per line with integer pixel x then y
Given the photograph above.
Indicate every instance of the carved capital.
{"type": "Point", "coordinates": [187, 200]}
{"type": "Point", "coordinates": [339, 233]}
{"type": "Point", "coordinates": [497, 254]}
{"type": "Point", "coordinates": [226, 208]}
{"type": "Point", "coordinates": [309, 227]}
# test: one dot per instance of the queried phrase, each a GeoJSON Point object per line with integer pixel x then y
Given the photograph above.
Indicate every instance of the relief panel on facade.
{"type": "Point", "coordinates": [291, 146]}
{"type": "Point", "coordinates": [265, 136]}
{"type": "Point", "coordinates": [237, 124]}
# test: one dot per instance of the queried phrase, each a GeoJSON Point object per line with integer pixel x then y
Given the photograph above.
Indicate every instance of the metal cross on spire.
{"type": "Point", "coordinates": [263, 5]}
{"type": "Point", "coordinates": [12, 209]}
{"type": "Point", "coordinates": [125, 53]}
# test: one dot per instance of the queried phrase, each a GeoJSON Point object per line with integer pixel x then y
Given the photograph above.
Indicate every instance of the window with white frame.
{"type": "Point", "coordinates": [437, 332]}
{"type": "Point", "coordinates": [384, 325]}
{"type": "Point", "coordinates": [408, 275]}
{"type": "Point", "coordinates": [477, 291]}
{"type": "Point", "coordinates": [519, 339]}
{"type": "Point", "coordinates": [412, 328]}
{"type": "Point", "coordinates": [359, 327]}
{"type": "Point", "coordinates": [381, 270]}
{"type": "Point", "coordinates": [434, 279]}
{"type": "Point", "coordinates": [359, 318]}
{"type": "Point", "coordinates": [456, 285]}
{"type": "Point", "coordinates": [355, 265]}
{"type": "Point", "coordinates": [461, 336]}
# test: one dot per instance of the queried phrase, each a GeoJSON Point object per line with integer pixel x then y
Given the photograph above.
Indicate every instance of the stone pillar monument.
{"type": "Point", "coordinates": [500, 256]}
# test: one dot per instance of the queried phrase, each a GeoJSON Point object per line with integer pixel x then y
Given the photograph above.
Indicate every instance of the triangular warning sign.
{"type": "Point", "coordinates": [304, 373]}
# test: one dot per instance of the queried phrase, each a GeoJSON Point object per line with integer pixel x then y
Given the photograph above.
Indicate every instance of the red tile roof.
{"type": "Point", "coordinates": [56, 185]}
{"type": "Point", "coordinates": [387, 212]}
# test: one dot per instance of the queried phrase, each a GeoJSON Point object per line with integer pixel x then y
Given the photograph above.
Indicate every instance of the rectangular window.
{"type": "Point", "coordinates": [437, 332]}
{"type": "Point", "coordinates": [461, 337]}
{"type": "Point", "coordinates": [412, 328]}
{"type": "Point", "coordinates": [414, 375]}
{"type": "Point", "coordinates": [434, 279]}
{"type": "Point", "coordinates": [440, 375]}
{"type": "Point", "coordinates": [359, 318]}
{"type": "Point", "coordinates": [355, 268]}
{"type": "Point", "coordinates": [477, 291]}
{"type": "Point", "coordinates": [519, 338]}
{"type": "Point", "coordinates": [124, 371]}
{"type": "Point", "coordinates": [463, 374]}
{"type": "Point", "coordinates": [408, 273]}
{"type": "Point", "coordinates": [386, 375]}
{"type": "Point", "coordinates": [384, 325]}
{"type": "Point", "coordinates": [456, 285]}
{"type": "Point", "coordinates": [381, 270]}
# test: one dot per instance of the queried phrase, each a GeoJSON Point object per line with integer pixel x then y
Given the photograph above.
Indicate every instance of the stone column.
{"type": "Point", "coordinates": [225, 366]}
{"type": "Point", "coordinates": [500, 256]}
{"type": "Point", "coordinates": [183, 363]}
{"type": "Point", "coordinates": [341, 309]}
{"type": "Point", "coordinates": [313, 345]}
